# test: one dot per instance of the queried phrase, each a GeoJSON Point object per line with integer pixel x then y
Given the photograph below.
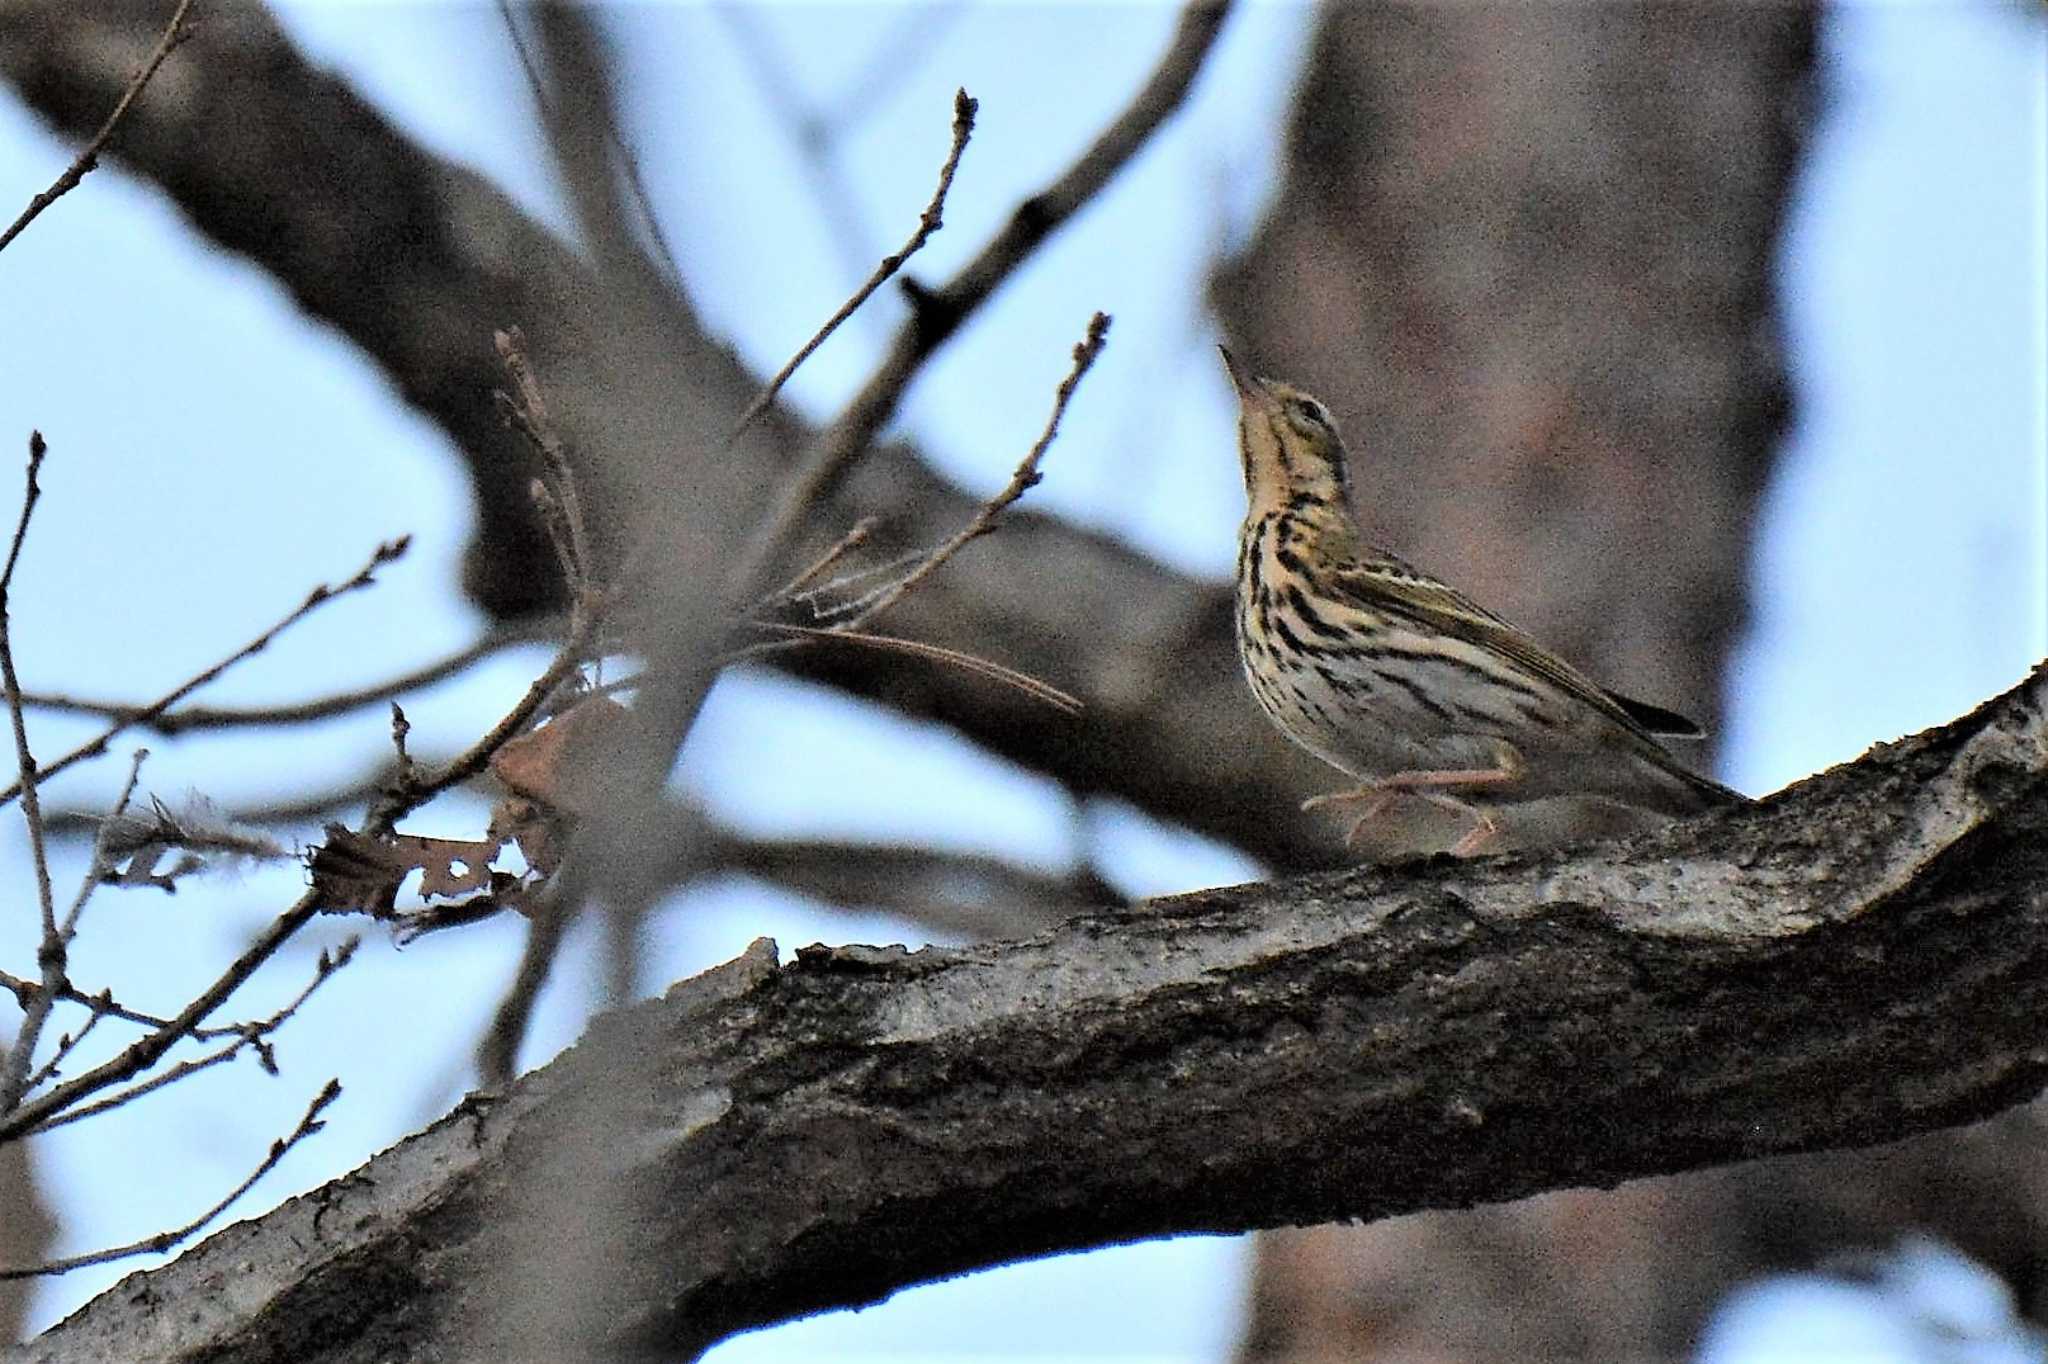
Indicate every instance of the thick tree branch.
{"type": "Point", "coordinates": [1858, 960]}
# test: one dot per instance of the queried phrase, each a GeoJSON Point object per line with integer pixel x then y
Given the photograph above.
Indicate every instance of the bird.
{"type": "Point", "coordinates": [1399, 680]}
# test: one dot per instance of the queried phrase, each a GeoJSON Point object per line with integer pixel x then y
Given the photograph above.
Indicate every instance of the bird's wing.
{"type": "Point", "coordinates": [1386, 582]}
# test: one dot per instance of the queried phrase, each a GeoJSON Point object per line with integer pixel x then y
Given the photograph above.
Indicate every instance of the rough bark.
{"type": "Point", "coordinates": [1857, 961]}
{"type": "Point", "coordinates": [418, 261]}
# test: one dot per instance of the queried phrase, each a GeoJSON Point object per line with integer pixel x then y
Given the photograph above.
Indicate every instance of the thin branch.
{"type": "Point", "coordinates": [498, 1051]}
{"type": "Point", "coordinates": [628, 162]}
{"type": "Point", "coordinates": [1024, 682]}
{"type": "Point", "coordinates": [23, 989]}
{"type": "Point", "coordinates": [50, 955]}
{"type": "Point", "coordinates": [66, 1044]}
{"type": "Point", "coordinates": [165, 1240]}
{"type": "Point", "coordinates": [529, 415]}
{"type": "Point", "coordinates": [874, 580]}
{"type": "Point", "coordinates": [411, 790]}
{"type": "Point", "coordinates": [386, 553]}
{"type": "Point", "coordinates": [866, 608]}
{"type": "Point", "coordinates": [1021, 481]}
{"type": "Point", "coordinates": [847, 543]}
{"type": "Point", "coordinates": [810, 130]}
{"type": "Point", "coordinates": [937, 315]}
{"type": "Point", "coordinates": [95, 872]}
{"type": "Point", "coordinates": [89, 159]}
{"type": "Point", "coordinates": [146, 1051]}
{"type": "Point", "coordinates": [928, 222]}
{"type": "Point", "coordinates": [154, 1083]}
{"type": "Point", "coordinates": [102, 1004]}
{"type": "Point", "coordinates": [248, 1036]}
{"type": "Point", "coordinates": [186, 718]}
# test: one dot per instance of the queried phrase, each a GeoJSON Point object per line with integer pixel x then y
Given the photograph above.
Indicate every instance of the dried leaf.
{"type": "Point", "coordinates": [438, 858]}
{"type": "Point", "coordinates": [354, 872]}
{"type": "Point", "coordinates": [563, 764]}
{"type": "Point", "coordinates": [536, 828]}
{"type": "Point", "coordinates": [351, 872]}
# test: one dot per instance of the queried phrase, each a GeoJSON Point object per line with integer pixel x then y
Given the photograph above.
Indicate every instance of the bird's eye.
{"type": "Point", "coordinates": [1309, 412]}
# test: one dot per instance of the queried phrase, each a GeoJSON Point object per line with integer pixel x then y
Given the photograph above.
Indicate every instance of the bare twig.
{"type": "Point", "coordinates": [104, 1005]}
{"type": "Point", "coordinates": [147, 1050]}
{"type": "Point", "coordinates": [498, 1052]}
{"type": "Point", "coordinates": [150, 1086]}
{"type": "Point", "coordinates": [928, 222]}
{"type": "Point", "coordinates": [1021, 481]}
{"type": "Point", "coordinates": [864, 609]}
{"type": "Point", "coordinates": [878, 579]}
{"type": "Point", "coordinates": [24, 989]}
{"type": "Point", "coordinates": [1024, 682]}
{"type": "Point", "coordinates": [528, 414]}
{"type": "Point", "coordinates": [410, 790]}
{"type": "Point", "coordinates": [810, 130]}
{"type": "Point", "coordinates": [95, 872]}
{"type": "Point", "coordinates": [165, 1240]}
{"type": "Point", "coordinates": [823, 564]}
{"type": "Point", "coordinates": [66, 1043]}
{"type": "Point", "coordinates": [88, 160]}
{"type": "Point", "coordinates": [384, 554]}
{"type": "Point", "coordinates": [628, 162]}
{"type": "Point", "coordinates": [248, 1036]}
{"type": "Point", "coordinates": [937, 315]}
{"type": "Point", "coordinates": [40, 1111]}
{"type": "Point", "coordinates": [185, 718]}
{"type": "Point", "coordinates": [50, 954]}
{"type": "Point", "coordinates": [101, 1004]}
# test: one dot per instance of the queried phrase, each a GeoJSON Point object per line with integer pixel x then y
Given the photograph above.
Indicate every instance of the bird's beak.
{"type": "Point", "coordinates": [1242, 379]}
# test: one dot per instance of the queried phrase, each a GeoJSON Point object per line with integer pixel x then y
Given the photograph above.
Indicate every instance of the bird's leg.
{"type": "Point", "coordinates": [1429, 785]}
{"type": "Point", "coordinates": [1478, 836]}
{"type": "Point", "coordinates": [1376, 800]}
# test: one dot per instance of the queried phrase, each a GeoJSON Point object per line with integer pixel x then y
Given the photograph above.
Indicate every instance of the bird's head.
{"type": "Point", "coordinates": [1289, 444]}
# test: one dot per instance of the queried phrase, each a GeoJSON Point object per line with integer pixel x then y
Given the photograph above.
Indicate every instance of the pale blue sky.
{"type": "Point", "coordinates": [213, 456]}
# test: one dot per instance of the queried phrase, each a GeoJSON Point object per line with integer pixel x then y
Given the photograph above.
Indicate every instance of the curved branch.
{"type": "Point", "coordinates": [174, 722]}
{"type": "Point", "coordinates": [1855, 961]}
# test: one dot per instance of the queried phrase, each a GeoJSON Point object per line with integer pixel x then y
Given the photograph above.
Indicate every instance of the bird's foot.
{"type": "Point", "coordinates": [1429, 785]}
